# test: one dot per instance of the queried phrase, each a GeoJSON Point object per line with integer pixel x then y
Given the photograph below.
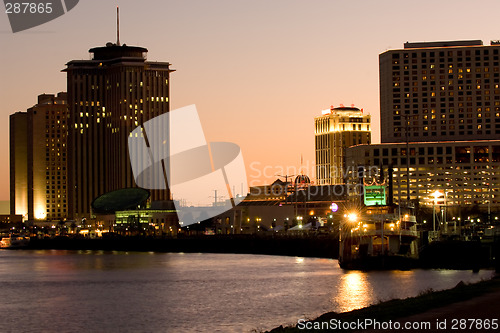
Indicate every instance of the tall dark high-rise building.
{"type": "Point", "coordinates": [109, 96]}
{"type": "Point", "coordinates": [440, 91]}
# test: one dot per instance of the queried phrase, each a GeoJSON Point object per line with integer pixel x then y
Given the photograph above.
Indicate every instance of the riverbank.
{"type": "Point", "coordinates": [447, 308]}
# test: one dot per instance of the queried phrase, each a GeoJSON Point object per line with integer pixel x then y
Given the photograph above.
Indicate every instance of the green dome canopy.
{"type": "Point", "coordinates": [123, 199]}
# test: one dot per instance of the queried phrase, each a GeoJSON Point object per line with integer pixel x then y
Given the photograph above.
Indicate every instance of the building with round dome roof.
{"type": "Point", "coordinates": [301, 180]}
{"type": "Point", "coordinates": [335, 130]}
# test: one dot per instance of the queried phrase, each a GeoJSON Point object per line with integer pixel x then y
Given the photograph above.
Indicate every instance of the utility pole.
{"type": "Point", "coordinates": [407, 117]}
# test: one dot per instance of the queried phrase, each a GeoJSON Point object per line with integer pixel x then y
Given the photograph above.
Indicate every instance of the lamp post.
{"type": "Point", "coordinates": [346, 236]}
{"type": "Point", "coordinates": [435, 195]}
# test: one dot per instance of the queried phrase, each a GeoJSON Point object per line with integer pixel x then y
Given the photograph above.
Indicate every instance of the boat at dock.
{"type": "Point", "coordinates": [380, 237]}
{"type": "Point", "coordinates": [378, 234]}
{"type": "Point", "coordinates": [13, 242]}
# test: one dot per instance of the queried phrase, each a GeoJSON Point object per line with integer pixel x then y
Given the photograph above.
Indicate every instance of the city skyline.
{"type": "Point", "coordinates": [283, 62]}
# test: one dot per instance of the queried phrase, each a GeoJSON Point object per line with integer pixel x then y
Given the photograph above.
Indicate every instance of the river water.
{"type": "Point", "coordinates": [96, 291]}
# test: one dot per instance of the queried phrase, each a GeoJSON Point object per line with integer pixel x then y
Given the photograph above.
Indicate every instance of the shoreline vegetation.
{"type": "Point", "coordinates": [445, 255]}
{"type": "Point", "coordinates": [398, 309]}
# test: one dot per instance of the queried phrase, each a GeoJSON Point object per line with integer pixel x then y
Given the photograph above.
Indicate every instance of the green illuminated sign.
{"type": "Point", "coordinates": [374, 195]}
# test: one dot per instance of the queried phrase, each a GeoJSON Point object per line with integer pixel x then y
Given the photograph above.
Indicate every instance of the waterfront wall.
{"type": "Point", "coordinates": [307, 246]}
{"type": "Point", "coordinates": [447, 254]}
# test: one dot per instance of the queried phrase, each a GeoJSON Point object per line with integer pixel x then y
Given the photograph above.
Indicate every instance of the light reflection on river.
{"type": "Point", "coordinates": [89, 291]}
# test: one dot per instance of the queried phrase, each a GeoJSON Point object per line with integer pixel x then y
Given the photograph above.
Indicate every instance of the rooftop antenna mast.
{"type": "Point", "coordinates": [117, 26]}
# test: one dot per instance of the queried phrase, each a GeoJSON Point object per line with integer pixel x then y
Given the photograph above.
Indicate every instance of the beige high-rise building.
{"type": "Point", "coordinates": [18, 155]}
{"type": "Point", "coordinates": [38, 159]}
{"type": "Point", "coordinates": [335, 130]}
{"type": "Point", "coordinates": [109, 96]}
{"type": "Point", "coordinates": [440, 91]}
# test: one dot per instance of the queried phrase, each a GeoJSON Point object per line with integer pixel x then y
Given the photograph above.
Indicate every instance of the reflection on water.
{"type": "Point", "coordinates": [353, 292]}
{"type": "Point", "coordinates": [89, 291]}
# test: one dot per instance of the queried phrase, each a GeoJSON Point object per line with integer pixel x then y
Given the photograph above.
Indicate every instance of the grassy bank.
{"type": "Point", "coordinates": [401, 308]}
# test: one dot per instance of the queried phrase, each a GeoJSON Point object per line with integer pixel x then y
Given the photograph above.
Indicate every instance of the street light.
{"type": "Point", "coordinates": [352, 217]}
{"type": "Point", "coordinates": [436, 195]}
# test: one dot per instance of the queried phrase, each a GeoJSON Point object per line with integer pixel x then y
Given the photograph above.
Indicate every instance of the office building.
{"type": "Point", "coordinates": [335, 130]}
{"type": "Point", "coordinates": [18, 155]}
{"type": "Point", "coordinates": [109, 96]}
{"type": "Point", "coordinates": [440, 91]}
{"type": "Point", "coordinates": [38, 148]}
{"type": "Point", "coordinates": [465, 173]}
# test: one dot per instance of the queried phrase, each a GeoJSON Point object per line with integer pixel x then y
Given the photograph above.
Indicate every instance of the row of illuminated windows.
{"type": "Point", "coordinates": [416, 80]}
{"type": "Point", "coordinates": [406, 97]}
{"type": "Point", "coordinates": [459, 159]}
{"type": "Point", "coordinates": [431, 85]}
{"type": "Point", "coordinates": [54, 156]}
{"type": "Point", "coordinates": [415, 96]}
{"type": "Point", "coordinates": [469, 87]}
{"type": "Point", "coordinates": [479, 68]}
{"type": "Point", "coordinates": [58, 203]}
{"type": "Point", "coordinates": [415, 124]}
{"type": "Point", "coordinates": [481, 51]}
{"type": "Point", "coordinates": [139, 100]}
{"type": "Point", "coordinates": [445, 125]}
{"type": "Point", "coordinates": [478, 117]}
{"type": "Point", "coordinates": [322, 125]}
{"type": "Point", "coordinates": [437, 150]}
{"type": "Point", "coordinates": [482, 171]}
{"type": "Point", "coordinates": [54, 197]}
{"type": "Point", "coordinates": [54, 210]}
{"type": "Point", "coordinates": [58, 170]}
{"type": "Point", "coordinates": [443, 98]}
{"type": "Point", "coordinates": [432, 75]}
{"type": "Point", "coordinates": [478, 102]}
{"type": "Point", "coordinates": [462, 113]}
{"type": "Point", "coordinates": [460, 105]}
{"type": "Point", "coordinates": [415, 161]}
{"type": "Point", "coordinates": [451, 133]}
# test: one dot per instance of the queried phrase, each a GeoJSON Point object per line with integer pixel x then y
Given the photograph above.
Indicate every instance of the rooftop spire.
{"type": "Point", "coordinates": [117, 25]}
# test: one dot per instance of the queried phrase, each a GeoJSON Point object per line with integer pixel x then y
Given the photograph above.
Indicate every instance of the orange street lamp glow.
{"type": "Point", "coordinates": [352, 217]}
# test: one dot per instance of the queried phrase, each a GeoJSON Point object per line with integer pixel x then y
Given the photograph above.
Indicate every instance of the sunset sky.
{"type": "Point", "coordinates": [258, 71]}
